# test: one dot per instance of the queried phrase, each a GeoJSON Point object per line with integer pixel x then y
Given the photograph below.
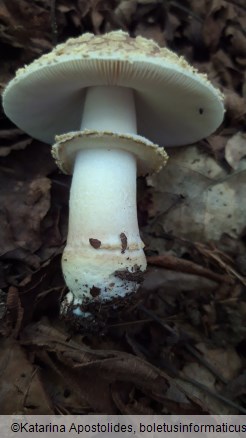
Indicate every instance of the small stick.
{"type": "Point", "coordinates": [176, 264]}
{"type": "Point", "coordinates": [53, 22]}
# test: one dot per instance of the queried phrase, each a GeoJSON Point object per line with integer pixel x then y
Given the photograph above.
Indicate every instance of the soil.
{"type": "Point", "coordinates": [95, 243]}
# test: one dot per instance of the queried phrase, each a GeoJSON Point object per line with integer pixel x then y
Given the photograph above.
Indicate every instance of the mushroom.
{"type": "Point", "coordinates": [103, 97]}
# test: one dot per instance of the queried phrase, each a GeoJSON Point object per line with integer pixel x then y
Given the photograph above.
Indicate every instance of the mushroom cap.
{"type": "Point", "coordinates": [175, 104]}
{"type": "Point", "coordinates": [150, 157]}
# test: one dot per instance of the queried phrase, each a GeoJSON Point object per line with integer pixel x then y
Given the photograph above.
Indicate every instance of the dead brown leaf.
{"type": "Point", "coordinates": [227, 362]}
{"type": "Point", "coordinates": [236, 41]}
{"type": "Point", "coordinates": [83, 362]}
{"type": "Point", "coordinates": [235, 108]}
{"type": "Point", "coordinates": [15, 312]}
{"type": "Point", "coordinates": [125, 11]}
{"type": "Point", "coordinates": [23, 208]}
{"type": "Point", "coordinates": [123, 396]}
{"type": "Point", "coordinates": [235, 150]}
{"type": "Point", "coordinates": [216, 144]}
{"type": "Point", "coordinates": [14, 16]}
{"type": "Point", "coordinates": [196, 198]}
{"type": "Point", "coordinates": [229, 74]}
{"type": "Point", "coordinates": [215, 23]}
{"type": "Point", "coordinates": [4, 151]}
{"type": "Point", "coordinates": [236, 387]}
{"type": "Point", "coordinates": [21, 390]}
{"type": "Point", "coordinates": [188, 202]}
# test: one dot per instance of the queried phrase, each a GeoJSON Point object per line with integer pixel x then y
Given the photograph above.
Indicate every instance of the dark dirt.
{"type": "Point", "coordinates": [95, 243]}
{"type": "Point", "coordinates": [123, 239]}
{"type": "Point", "coordinates": [103, 313]}
{"type": "Point", "coordinates": [137, 276]}
{"type": "Point", "coordinates": [95, 291]}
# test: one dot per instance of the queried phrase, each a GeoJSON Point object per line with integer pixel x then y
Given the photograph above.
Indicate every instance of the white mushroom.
{"type": "Point", "coordinates": [103, 95]}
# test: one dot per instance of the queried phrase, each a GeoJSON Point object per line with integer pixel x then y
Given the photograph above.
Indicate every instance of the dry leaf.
{"type": "Point", "coordinates": [236, 41]}
{"type": "Point", "coordinates": [235, 150]}
{"type": "Point", "coordinates": [170, 281]}
{"type": "Point", "coordinates": [236, 387]}
{"type": "Point", "coordinates": [21, 390]}
{"type": "Point", "coordinates": [226, 362]}
{"type": "Point", "coordinates": [85, 363]}
{"type": "Point", "coordinates": [235, 107]}
{"type": "Point", "coordinates": [23, 209]}
{"type": "Point", "coordinates": [126, 10]}
{"type": "Point", "coordinates": [195, 198]}
{"type": "Point", "coordinates": [33, 215]}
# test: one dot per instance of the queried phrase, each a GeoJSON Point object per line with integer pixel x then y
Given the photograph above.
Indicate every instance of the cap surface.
{"type": "Point", "coordinates": [175, 105]}
{"type": "Point", "coordinates": [150, 157]}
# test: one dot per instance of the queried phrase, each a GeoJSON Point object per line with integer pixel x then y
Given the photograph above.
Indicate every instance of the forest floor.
{"type": "Point", "coordinates": [182, 348]}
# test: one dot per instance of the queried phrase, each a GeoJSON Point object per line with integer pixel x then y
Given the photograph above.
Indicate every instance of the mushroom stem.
{"type": "Point", "coordinates": [104, 253]}
{"type": "Point", "coordinates": [111, 109]}
{"type": "Point", "coordinates": [104, 260]}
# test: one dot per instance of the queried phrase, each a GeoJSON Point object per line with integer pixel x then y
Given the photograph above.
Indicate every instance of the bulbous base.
{"type": "Point", "coordinates": [91, 315]}
{"type": "Point", "coordinates": [101, 282]}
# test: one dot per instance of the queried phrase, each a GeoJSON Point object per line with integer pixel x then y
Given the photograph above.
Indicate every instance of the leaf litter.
{"type": "Point", "coordinates": [181, 348]}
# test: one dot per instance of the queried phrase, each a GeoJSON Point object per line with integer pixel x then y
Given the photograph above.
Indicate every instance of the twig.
{"type": "Point", "coordinates": [215, 256]}
{"type": "Point", "coordinates": [184, 9]}
{"type": "Point", "coordinates": [29, 385]}
{"type": "Point", "coordinates": [176, 264]}
{"type": "Point", "coordinates": [53, 22]}
{"type": "Point", "coordinates": [212, 393]}
{"type": "Point", "coordinates": [205, 363]}
{"type": "Point", "coordinates": [60, 183]}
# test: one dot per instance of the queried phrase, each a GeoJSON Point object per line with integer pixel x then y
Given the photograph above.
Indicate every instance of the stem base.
{"type": "Point", "coordinates": [112, 285]}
